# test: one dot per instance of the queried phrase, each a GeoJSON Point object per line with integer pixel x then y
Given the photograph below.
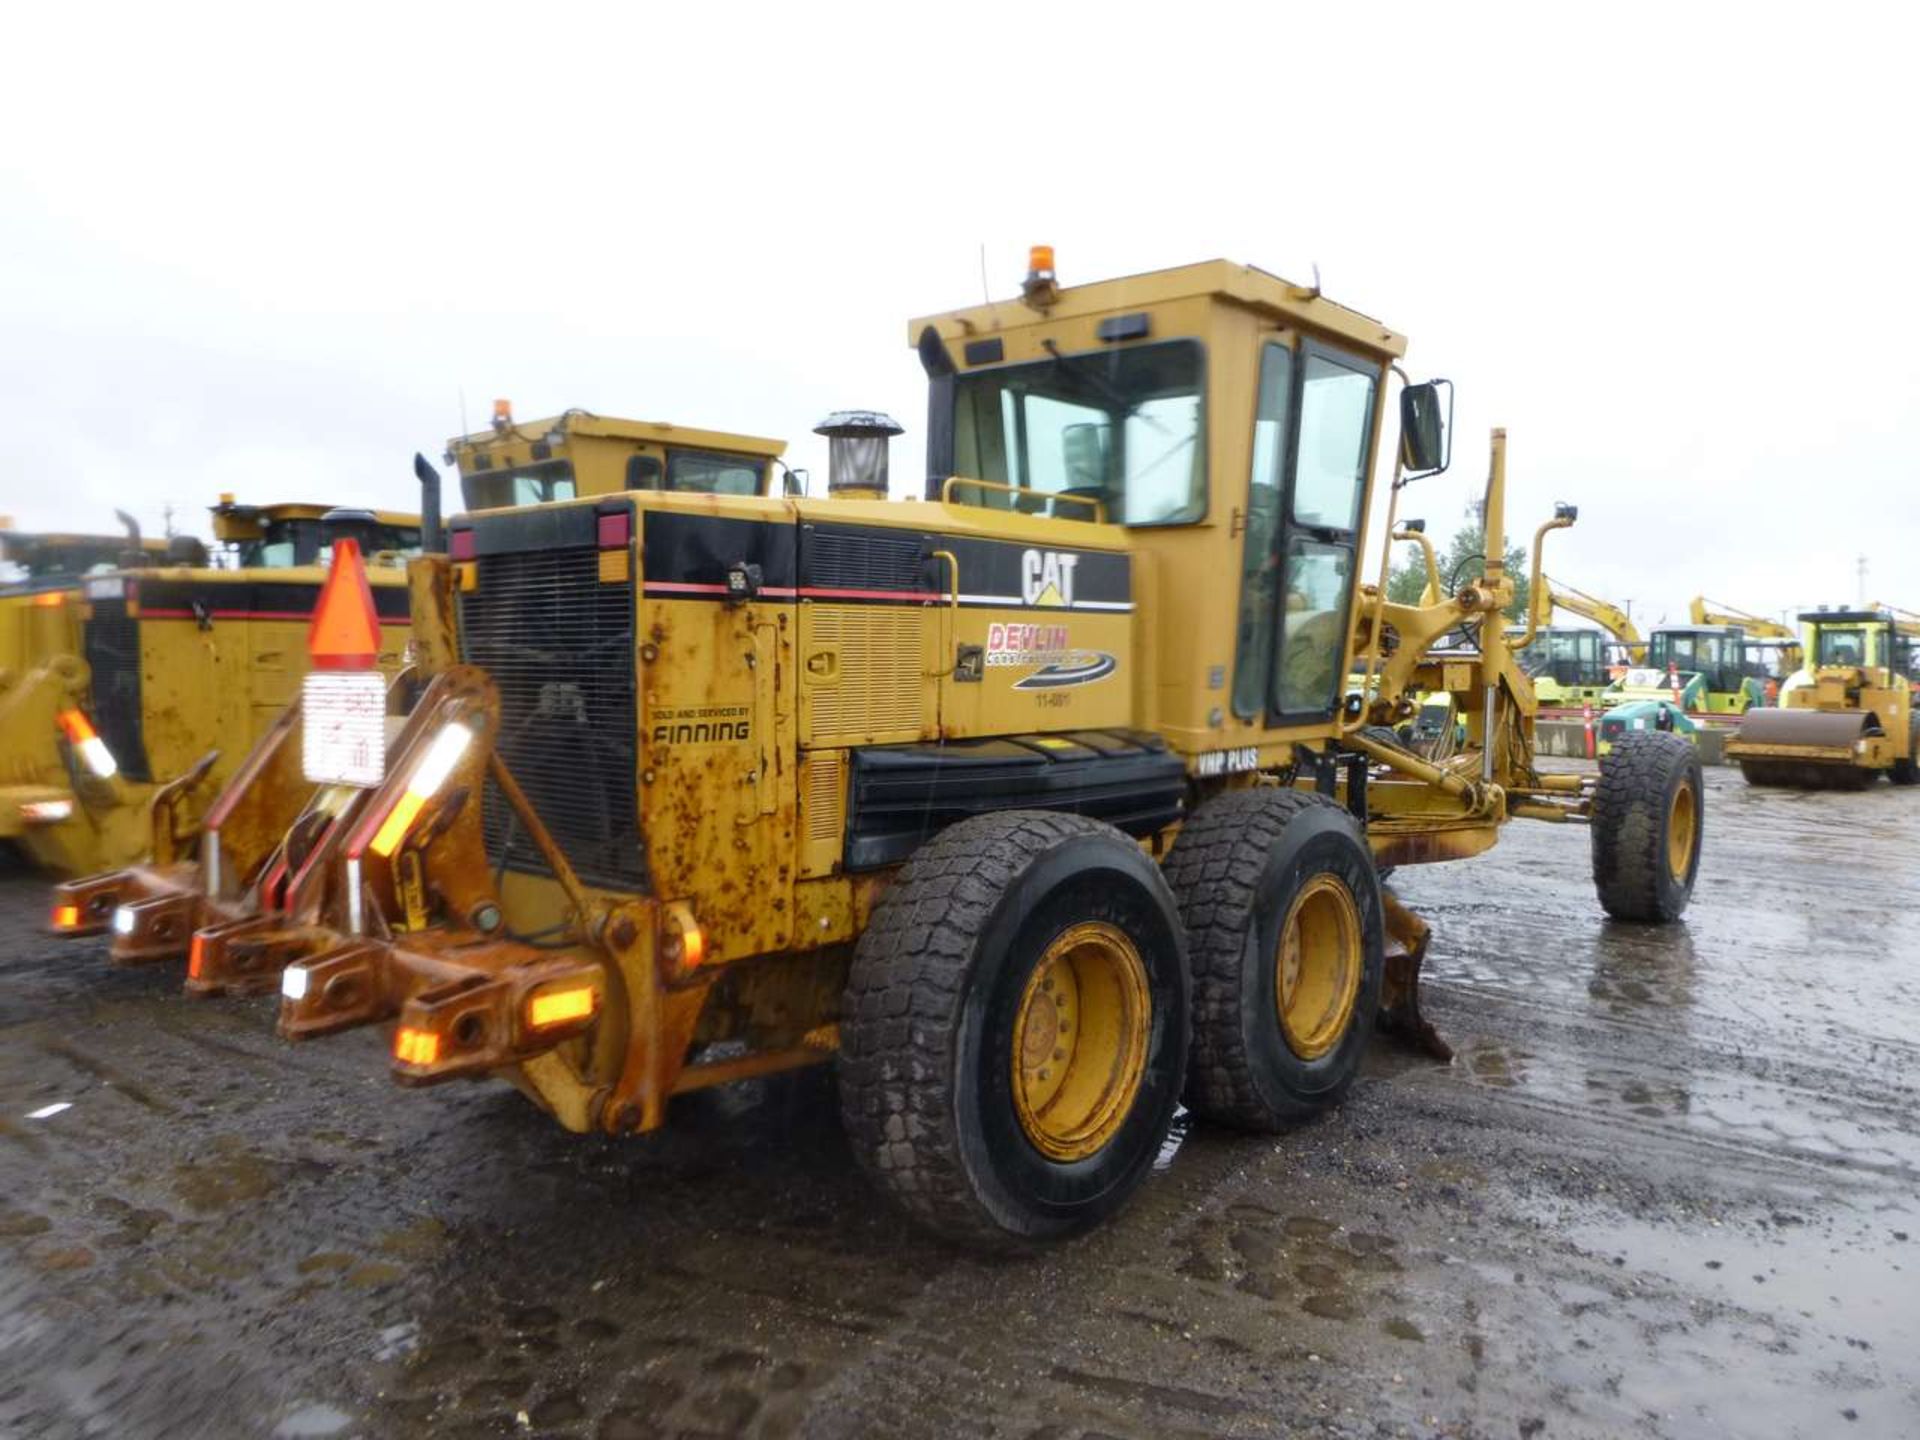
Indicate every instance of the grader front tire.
{"type": "Point", "coordinates": [1286, 930]}
{"type": "Point", "coordinates": [1014, 1032]}
{"type": "Point", "coordinates": [1648, 824]}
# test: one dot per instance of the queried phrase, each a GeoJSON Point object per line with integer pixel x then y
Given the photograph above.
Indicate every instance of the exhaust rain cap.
{"type": "Point", "coordinates": [857, 452]}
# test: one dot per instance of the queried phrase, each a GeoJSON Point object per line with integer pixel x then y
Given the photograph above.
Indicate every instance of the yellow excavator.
{"type": "Point", "coordinates": [1569, 664]}
{"type": "Point", "coordinates": [1772, 651]}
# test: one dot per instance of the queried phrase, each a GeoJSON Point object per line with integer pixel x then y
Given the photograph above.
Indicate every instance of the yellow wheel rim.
{"type": "Point", "coordinates": [1080, 1041]}
{"type": "Point", "coordinates": [1681, 821]}
{"type": "Point", "coordinates": [1317, 972]}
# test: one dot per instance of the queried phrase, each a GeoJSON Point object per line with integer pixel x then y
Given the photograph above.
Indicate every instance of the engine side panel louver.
{"type": "Point", "coordinates": [558, 642]}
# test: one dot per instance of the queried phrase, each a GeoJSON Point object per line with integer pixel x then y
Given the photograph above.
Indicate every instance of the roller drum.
{"type": "Point", "coordinates": [1807, 749]}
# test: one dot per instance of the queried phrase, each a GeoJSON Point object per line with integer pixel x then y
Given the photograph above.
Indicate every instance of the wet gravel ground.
{"type": "Point", "coordinates": [1667, 1188]}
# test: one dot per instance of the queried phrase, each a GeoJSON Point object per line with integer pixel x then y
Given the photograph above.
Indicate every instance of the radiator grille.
{"type": "Point", "coordinates": [113, 655]}
{"type": "Point", "coordinates": [881, 670]}
{"type": "Point", "coordinates": [559, 645]}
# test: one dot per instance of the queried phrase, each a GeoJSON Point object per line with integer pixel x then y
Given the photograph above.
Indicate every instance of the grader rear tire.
{"type": "Point", "coordinates": [1014, 1030]}
{"type": "Point", "coordinates": [1286, 930]}
{"type": "Point", "coordinates": [1648, 818]}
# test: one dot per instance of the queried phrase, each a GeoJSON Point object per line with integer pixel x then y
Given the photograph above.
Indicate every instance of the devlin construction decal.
{"type": "Point", "coordinates": [1083, 667]}
{"type": "Point", "coordinates": [1050, 649]}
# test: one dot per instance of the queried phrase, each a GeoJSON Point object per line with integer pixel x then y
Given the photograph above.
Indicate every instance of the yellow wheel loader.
{"type": "Point", "coordinates": [1036, 803]}
{"type": "Point", "coordinates": [1844, 719]}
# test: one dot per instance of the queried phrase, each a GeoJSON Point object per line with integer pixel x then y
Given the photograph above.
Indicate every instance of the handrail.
{"type": "Point", "coordinates": [953, 609]}
{"type": "Point", "coordinates": [952, 481]}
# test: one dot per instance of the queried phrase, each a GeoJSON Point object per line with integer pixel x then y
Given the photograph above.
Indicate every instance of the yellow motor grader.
{"type": "Point", "coordinates": [577, 454]}
{"type": "Point", "coordinates": [1845, 718]}
{"type": "Point", "coordinates": [1038, 801]}
{"type": "Point", "coordinates": [178, 658]}
{"type": "Point", "coordinates": [39, 669]}
{"type": "Point", "coordinates": [170, 666]}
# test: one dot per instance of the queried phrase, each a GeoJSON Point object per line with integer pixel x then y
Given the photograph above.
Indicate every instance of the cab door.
{"type": "Point", "coordinates": [1312, 450]}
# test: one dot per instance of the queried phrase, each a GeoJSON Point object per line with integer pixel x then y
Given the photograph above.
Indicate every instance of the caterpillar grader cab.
{"type": "Point", "coordinates": [578, 454]}
{"type": "Point", "coordinates": [177, 668]}
{"type": "Point", "coordinates": [1845, 718]}
{"type": "Point", "coordinates": [1037, 802]}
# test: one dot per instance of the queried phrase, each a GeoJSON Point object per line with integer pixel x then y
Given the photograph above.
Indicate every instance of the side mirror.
{"type": "Point", "coordinates": [1426, 428]}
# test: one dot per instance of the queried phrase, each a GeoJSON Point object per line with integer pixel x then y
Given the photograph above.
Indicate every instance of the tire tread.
{"type": "Point", "coordinates": [1629, 831]}
{"type": "Point", "coordinates": [906, 994]}
{"type": "Point", "coordinates": [1215, 869]}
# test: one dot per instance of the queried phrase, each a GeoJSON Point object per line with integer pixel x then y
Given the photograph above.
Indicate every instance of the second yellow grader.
{"type": "Point", "coordinates": [1039, 802]}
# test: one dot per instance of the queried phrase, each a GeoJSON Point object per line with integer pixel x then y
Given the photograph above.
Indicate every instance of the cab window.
{"type": "Point", "coordinates": [644, 472]}
{"type": "Point", "coordinates": [1842, 645]}
{"type": "Point", "coordinates": [282, 543]}
{"type": "Point", "coordinates": [528, 485]}
{"type": "Point", "coordinates": [696, 472]}
{"type": "Point", "coordinates": [1258, 572]}
{"type": "Point", "coordinates": [1336, 426]}
{"type": "Point", "coordinates": [1123, 427]}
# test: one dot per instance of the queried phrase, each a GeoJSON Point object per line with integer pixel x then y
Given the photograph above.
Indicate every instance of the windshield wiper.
{"type": "Point", "coordinates": [1075, 366]}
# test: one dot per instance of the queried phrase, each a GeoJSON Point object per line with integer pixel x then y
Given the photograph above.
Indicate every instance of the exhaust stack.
{"type": "Point", "coordinates": [429, 478]}
{"type": "Point", "coordinates": [857, 453]}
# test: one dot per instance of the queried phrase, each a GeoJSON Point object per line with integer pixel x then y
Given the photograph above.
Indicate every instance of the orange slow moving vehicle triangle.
{"type": "Point", "coordinates": [345, 631]}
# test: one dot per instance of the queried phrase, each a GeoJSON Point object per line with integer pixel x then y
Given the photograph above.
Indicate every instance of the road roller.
{"type": "Point", "coordinates": [1845, 718]}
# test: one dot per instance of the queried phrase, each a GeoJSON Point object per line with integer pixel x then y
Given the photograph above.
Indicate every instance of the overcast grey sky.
{"type": "Point", "coordinates": [252, 249]}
